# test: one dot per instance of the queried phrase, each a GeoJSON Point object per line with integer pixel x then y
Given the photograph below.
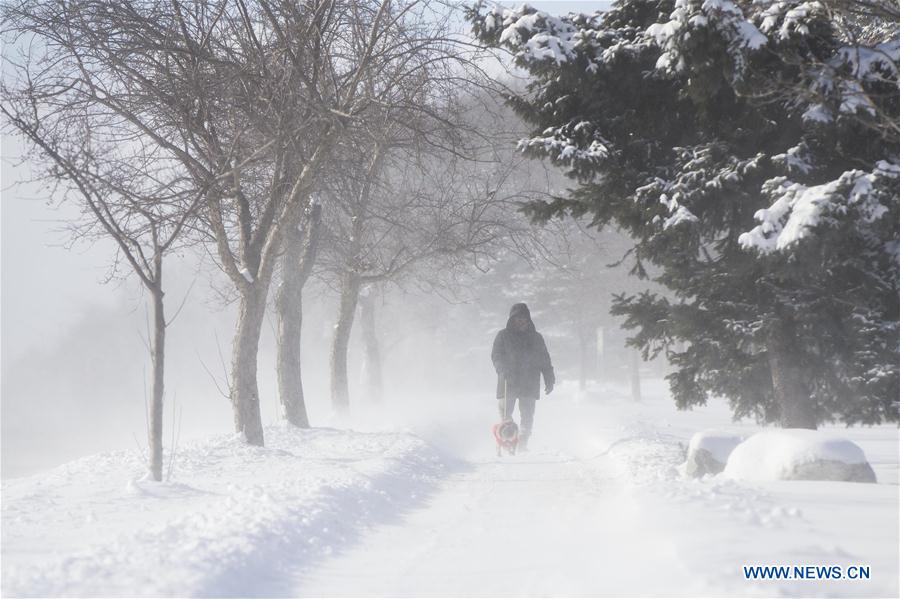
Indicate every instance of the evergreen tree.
{"type": "Point", "coordinates": [751, 150]}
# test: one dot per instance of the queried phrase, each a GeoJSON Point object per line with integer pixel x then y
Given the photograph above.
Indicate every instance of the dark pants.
{"type": "Point", "coordinates": [526, 412]}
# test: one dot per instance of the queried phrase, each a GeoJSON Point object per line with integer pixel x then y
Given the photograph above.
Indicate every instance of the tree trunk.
{"type": "Point", "coordinates": [244, 388]}
{"type": "Point", "coordinates": [289, 306]}
{"type": "Point", "coordinates": [602, 368]}
{"type": "Point", "coordinates": [340, 394]}
{"type": "Point", "coordinates": [635, 375]}
{"type": "Point", "coordinates": [297, 262]}
{"type": "Point", "coordinates": [372, 371]}
{"type": "Point", "coordinates": [584, 340]}
{"type": "Point", "coordinates": [791, 392]}
{"type": "Point", "coordinates": [155, 425]}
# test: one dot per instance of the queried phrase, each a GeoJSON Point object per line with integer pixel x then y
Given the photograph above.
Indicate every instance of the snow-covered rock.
{"type": "Point", "coordinates": [798, 454]}
{"type": "Point", "coordinates": [708, 452]}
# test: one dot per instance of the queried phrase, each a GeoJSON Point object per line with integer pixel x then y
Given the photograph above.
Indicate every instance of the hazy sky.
{"type": "Point", "coordinates": [43, 285]}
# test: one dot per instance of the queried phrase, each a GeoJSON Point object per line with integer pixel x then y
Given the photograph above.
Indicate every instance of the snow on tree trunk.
{"type": "Point", "coordinates": [340, 393]}
{"type": "Point", "coordinates": [244, 388]}
{"type": "Point", "coordinates": [372, 370]}
{"type": "Point", "coordinates": [155, 424]}
{"type": "Point", "coordinates": [787, 381]}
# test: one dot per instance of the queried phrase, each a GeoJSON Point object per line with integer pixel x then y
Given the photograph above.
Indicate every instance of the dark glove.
{"type": "Point", "coordinates": [548, 388]}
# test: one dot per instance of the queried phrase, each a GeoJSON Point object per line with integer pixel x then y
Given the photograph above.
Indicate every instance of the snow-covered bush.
{"type": "Point", "coordinates": [708, 452]}
{"type": "Point", "coordinates": [798, 454]}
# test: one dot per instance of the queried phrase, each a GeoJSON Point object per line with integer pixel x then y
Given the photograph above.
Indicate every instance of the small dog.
{"type": "Point", "coordinates": [506, 434]}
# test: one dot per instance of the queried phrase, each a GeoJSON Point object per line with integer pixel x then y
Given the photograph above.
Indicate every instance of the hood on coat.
{"type": "Point", "coordinates": [519, 309]}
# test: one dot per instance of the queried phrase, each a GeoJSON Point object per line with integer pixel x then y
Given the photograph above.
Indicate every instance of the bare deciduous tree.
{"type": "Point", "coordinates": [410, 93]}
{"type": "Point", "coordinates": [127, 190]}
{"type": "Point", "coordinates": [249, 98]}
{"type": "Point", "coordinates": [413, 217]}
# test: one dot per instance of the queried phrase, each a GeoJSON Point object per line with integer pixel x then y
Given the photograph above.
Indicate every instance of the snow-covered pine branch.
{"type": "Point", "coordinates": [857, 198]}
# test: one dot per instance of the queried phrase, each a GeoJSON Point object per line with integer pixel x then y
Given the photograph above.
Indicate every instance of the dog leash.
{"type": "Point", "coordinates": [505, 398]}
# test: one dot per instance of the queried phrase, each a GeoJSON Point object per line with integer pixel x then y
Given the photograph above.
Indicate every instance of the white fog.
{"type": "Point", "coordinates": [566, 298]}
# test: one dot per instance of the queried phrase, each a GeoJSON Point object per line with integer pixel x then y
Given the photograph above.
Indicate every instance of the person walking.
{"type": "Point", "coordinates": [520, 358]}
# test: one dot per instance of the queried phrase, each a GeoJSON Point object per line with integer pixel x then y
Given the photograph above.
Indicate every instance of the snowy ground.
{"type": "Point", "coordinates": [423, 507]}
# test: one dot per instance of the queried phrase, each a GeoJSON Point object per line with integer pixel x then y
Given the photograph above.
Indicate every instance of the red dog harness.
{"type": "Point", "coordinates": [506, 434]}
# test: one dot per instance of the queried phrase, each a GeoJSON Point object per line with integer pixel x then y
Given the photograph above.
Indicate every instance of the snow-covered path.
{"type": "Point", "coordinates": [542, 523]}
{"type": "Point", "coordinates": [557, 520]}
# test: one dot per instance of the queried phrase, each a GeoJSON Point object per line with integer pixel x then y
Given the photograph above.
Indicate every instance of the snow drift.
{"type": "Point", "coordinates": [798, 454]}
{"type": "Point", "coordinates": [96, 526]}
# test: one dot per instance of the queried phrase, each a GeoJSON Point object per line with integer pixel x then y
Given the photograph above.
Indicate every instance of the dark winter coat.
{"type": "Point", "coordinates": [520, 358]}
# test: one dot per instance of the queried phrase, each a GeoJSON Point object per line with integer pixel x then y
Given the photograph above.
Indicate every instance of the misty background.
{"type": "Point", "coordinates": [75, 365]}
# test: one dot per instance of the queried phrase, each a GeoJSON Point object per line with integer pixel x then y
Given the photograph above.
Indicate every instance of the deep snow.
{"type": "Point", "coordinates": [420, 505]}
{"type": "Point", "coordinates": [236, 519]}
{"type": "Point", "coordinates": [774, 454]}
